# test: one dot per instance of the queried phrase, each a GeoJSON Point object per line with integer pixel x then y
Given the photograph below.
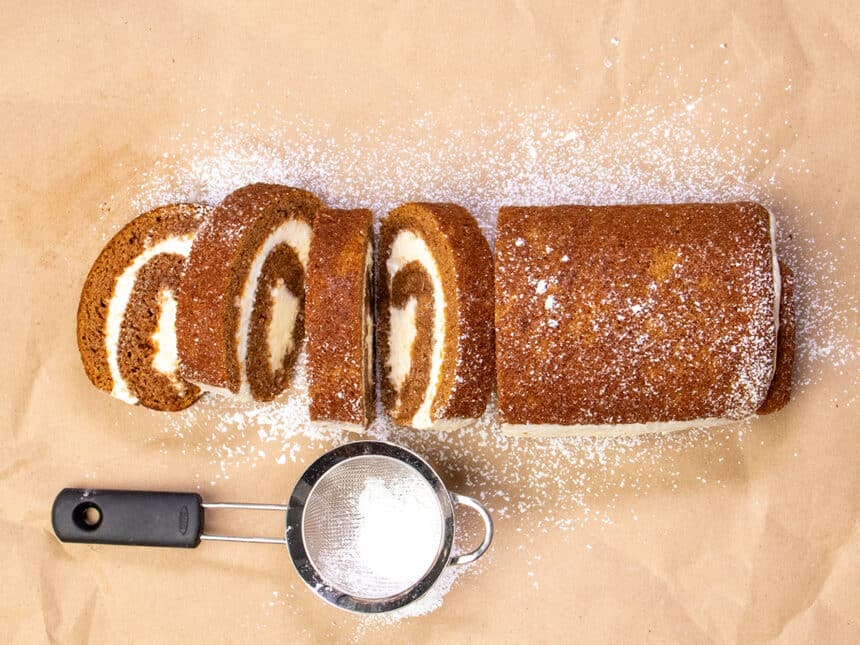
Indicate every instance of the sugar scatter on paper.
{"type": "Point", "coordinates": [662, 153]}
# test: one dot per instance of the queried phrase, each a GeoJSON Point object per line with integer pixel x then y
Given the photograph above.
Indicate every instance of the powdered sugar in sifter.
{"type": "Point", "coordinates": [369, 525]}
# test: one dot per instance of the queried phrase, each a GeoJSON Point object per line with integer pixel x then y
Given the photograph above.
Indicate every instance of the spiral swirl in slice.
{"type": "Point", "coordinates": [127, 311]}
{"type": "Point", "coordinates": [435, 315]}
{"type": "Point", "coordinates": [241, 305]}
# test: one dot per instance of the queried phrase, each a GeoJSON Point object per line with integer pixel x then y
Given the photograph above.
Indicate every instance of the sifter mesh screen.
{"type": "Point", "coordinates": [372, 526]}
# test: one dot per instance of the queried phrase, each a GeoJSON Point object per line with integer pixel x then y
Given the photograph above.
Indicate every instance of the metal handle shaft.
{"type": "Point", "coordinates": [244, 506]}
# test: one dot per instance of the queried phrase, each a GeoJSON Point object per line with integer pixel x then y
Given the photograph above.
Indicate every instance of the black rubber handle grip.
{"type": "Point", "coordinates": [129, 517]}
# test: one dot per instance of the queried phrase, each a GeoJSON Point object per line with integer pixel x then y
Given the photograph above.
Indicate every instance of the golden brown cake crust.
{"type": "Point", "coordinates": [466, 266]}
{"type": "Point", "coordinates": [337, 300]}
{"type": "Point", "coordinates": [152, 389]}
{"type": "Point", "coordinates": [780, 387]}
{"type": "Point", "coordinates": [633, 314]}
{"type": "Point", "coordinates": [225, 247]}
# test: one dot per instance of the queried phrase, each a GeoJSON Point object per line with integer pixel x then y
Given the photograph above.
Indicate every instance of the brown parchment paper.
{"type": "Point", "coordinates": [89, 99]}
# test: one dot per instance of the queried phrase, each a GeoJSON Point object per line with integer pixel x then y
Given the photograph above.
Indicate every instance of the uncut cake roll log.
{"type": "Point", "coordinates": [435, 316]}
{"type": "Point", "coordinates": [127, 312]}
{"type": "Point", "coordinates": [241, 303]}
{"type": "Point", "coordinates": [617, 320]}
{"type": "Point", "coordinates": [339, 319]}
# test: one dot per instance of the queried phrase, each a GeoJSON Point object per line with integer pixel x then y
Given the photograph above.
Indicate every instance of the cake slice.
{"type": "Point", "coordinates": [779, 392]}
{"type": "Point", "coordinates": [240, 314]}
{"type": "Point", "coordinates": [434, 316]}
{"type": "Point", "coordinates": [629, 319]}
{"type": "Point", "coordinates": [339, 319]}
{"type": "Point", "coordinates": [127, 311]}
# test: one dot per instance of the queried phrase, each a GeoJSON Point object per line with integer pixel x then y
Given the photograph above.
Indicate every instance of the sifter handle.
{"type": "Point", "coordinates": [127, 517]}
{"type": "Point", "coordinates": [475, 505]}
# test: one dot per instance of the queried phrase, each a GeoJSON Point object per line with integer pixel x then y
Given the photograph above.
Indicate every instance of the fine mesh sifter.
{"type": "Point", "coordinates": [369, 525]}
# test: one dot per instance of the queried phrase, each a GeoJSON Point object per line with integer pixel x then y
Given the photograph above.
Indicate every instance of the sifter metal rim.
{"type": "Point", "coordinates": [295, 537]}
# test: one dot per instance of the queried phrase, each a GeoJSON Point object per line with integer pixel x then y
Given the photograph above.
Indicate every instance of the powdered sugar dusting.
{"type": "Point", "coordinates": [236, 434]}
{"type": "Point", "coordinates": [599, 363]}
{"type": "Point", "coordinates": [640, 154]}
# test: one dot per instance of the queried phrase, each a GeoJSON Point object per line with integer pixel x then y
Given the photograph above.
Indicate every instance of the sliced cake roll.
{"type": "Point", "coordinates": [629, 319]}
{"type": "Point", "coordinates": [435, 316]}
{"type": "Point", "coordinates": [127, 311]}
{"type": "Point", "coordinates": [240, 315]}
{"type": "Point", "coordinates": [339, 319]}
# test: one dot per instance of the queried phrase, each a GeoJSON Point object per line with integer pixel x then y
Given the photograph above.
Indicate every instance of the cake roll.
{"type": "Point", "coordinates": [127, 311]}
{"type": "Point", "coordinates": [615, 320]}
{"type": "Point", "coordinates": [434, 316]}
{"type": "Point", "coordinates": [339, 319]}
{"type": "Point", "coordinates": [241, 302]}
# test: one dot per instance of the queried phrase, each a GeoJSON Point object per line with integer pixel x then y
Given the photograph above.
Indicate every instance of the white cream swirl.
{"type": "Point", "coordinates": [179, 245]}
{"type": "Point", "coordinates": [408, 247]}
{"type": "Point", "coordinates": [295, 233]}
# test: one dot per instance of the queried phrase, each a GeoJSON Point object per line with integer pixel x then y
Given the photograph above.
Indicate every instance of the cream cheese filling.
{"type": "Point", "coordinates": [279, 336]}
{"type": "Point", "coordinates": [777, 292]}
{"type": "Point", "coordinates": [297, 234]}
{"type": "Point", "coordinates": [123, 287]}
{"type": "Point", "coordinates": [408, 247]}
{"type": "Point", "coordinates": [166, 359]}
{"type": "Point", "coordinates": [608, 429]}
{"type": "Point", "coordinates": [403, 331]}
